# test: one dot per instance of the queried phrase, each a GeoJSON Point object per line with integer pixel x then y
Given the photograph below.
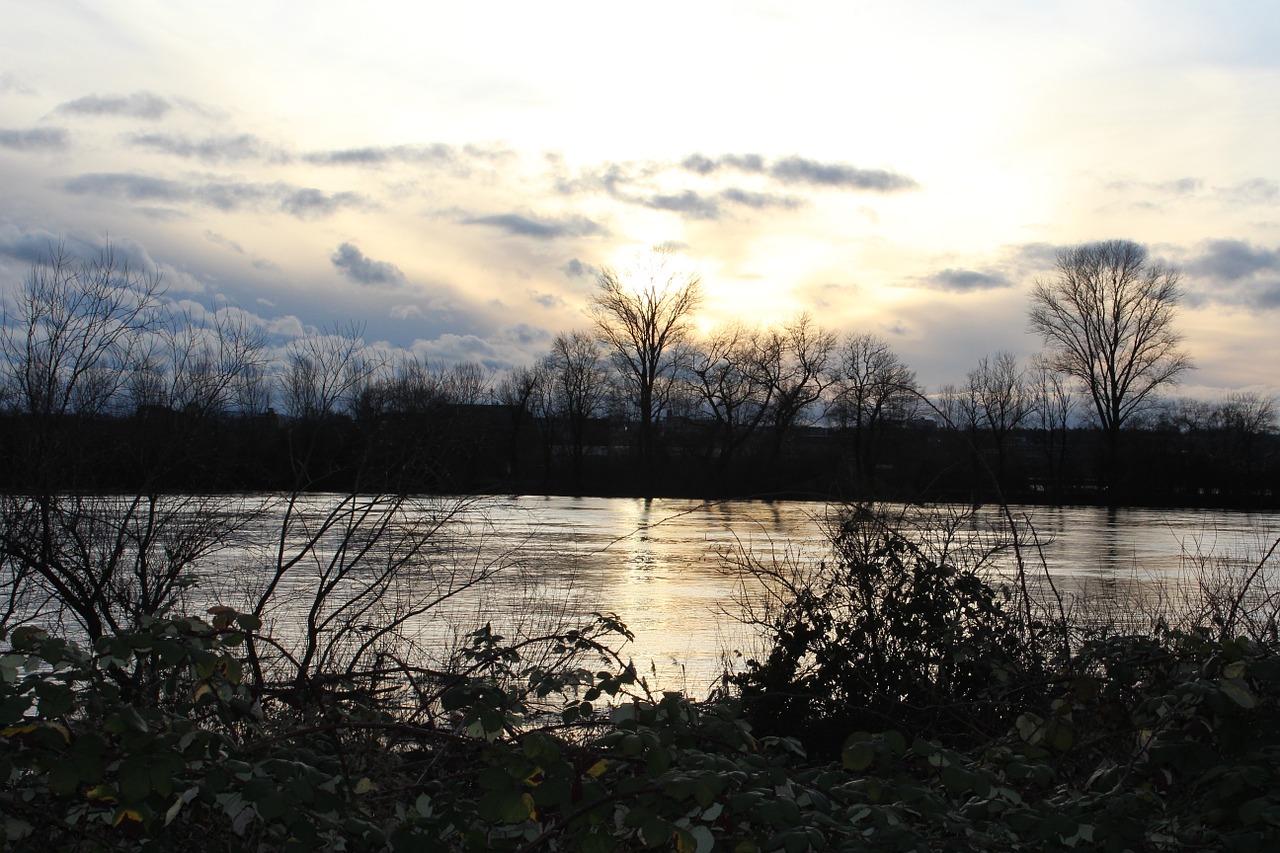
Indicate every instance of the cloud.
{"type": "Point", "coordinates": [145, 105]}
{"type": "Point", "coordinates": [1177, 186]}
{"type": "Point", "coordinates": [407, 312]}
{"type": "Point", "coordinates": [801, 170]}
{"type": "Point", "coordinates": [522, 334]}
{"type": "Point", "coordinates": [546, 300]}
{"type": "Point", "coordinates": [34, 139]}
{"type": "Point", "coordinates": [798, 170]}
{"type": "Point", "coordinates": [965, 281]}
{"type": "Point", "coordinates": [221, 240]}
{"type": "Point", "coordinates": [759, 201]}
{"type": "Point", "coordinates": [381, 156]}
{"type": "Point", "coordinates": [1237, 273]}
{"type": "Point", "coordinates": [575, 268]}
{"type": "Point", "coordinates": [304, 203]}
{"type": "Point", "coordinates": [687, 203]}
{"type": "Point", "coordinates": [539, 229]}
{"type": "Point", "coordinates": [214, 149]}
{"type": "Point", "coordinates": [362, 270]}
{"type": "Point", "coordinates": [38, 246]}
{"type": "Point", "coordinates": [311, 203]}
{"type": "Point", "coordinates": [703, 165]}
{"type": "Point", "coordinates": [10, 82]}
{"type": "Point", "coordinates": [1255, 191]}
{"type": "Point", "coordinates": [1232, 260]}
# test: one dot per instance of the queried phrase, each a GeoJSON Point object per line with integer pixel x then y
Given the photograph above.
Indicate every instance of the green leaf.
{"type": "Point", "coordinates": [1238, 691]}
{"type": "Point", "coordinates": [858, 755]}
{"type": "Point", "coordinates": [135, 779]}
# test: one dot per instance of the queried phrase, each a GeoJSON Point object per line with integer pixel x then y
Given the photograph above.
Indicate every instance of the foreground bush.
{"type": "Point", "coordinates": [152, 741]}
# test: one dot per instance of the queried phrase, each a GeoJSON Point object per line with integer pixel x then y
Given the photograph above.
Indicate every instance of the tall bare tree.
{"type": "Point", "coordinates": [730, 385]}
{"type": "Point", "coordinates": [642, 317]}
{"type": "Point", "coordinates": [872, 387]}
{"type": "Point", "coordinates": [578, 376]}
{"type": "Point", "coordinates": [1001, 402]}
{"type": "Point", "coordinates": [1107, 319]}
{"type": "Point", "coordinates": [795, 365]}
{"type": "Point", "coordinates": [80, 338]}
{"type": "Point", "coordinates": [1053, 402]}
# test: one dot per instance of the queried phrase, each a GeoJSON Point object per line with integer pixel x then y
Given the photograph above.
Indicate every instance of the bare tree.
{"type": "Point", "coordinates": [1001, 402]}
{"type": "Point", "coordinates": [872, 387]}
{"type": "Point", "coordinates": [324, 374]}
{"type": "Point", "coordinates": [642, 317]}
{"type": "Point", "coordinates": [467, 383]}
{"type": "Point", "coordinates": [795, 363]}
{"type": "Point", "coordinates": [520, 391]}
{"type": "Point", "coordinates": [80, 339]}
{"type": "Point", "coordinates": [1107, 320]}
{"type": "Point", "coordinates": [1241, 419]}
{"type": "Point", "coordinates": [728, 380]}
{"type": "Point", "coordinates": [1053, 403]}
{"type": "Point", "coordinates": [577, 374]}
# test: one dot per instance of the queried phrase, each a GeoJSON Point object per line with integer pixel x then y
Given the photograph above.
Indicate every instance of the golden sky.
{"type": "Point", "coordinates": [450, 176]}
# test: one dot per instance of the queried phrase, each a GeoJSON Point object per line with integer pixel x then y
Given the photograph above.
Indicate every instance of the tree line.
{"type": "Point", "coordinates": [106, 380]}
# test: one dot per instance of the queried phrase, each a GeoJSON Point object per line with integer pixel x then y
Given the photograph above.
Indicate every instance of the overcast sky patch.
{"type": "Point", "coordinates": [34, 139]}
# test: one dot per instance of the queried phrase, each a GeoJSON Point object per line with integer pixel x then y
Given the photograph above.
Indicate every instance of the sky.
{"type": "Point", "coordinates": [450, 178]}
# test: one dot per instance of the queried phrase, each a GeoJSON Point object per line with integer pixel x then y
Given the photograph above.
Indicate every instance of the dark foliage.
{"type": "Point", "coordinates": [886, 637]}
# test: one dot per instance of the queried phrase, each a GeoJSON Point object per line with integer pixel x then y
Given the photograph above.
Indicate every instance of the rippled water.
{"type": "Point", "coordinates": [663, 566]}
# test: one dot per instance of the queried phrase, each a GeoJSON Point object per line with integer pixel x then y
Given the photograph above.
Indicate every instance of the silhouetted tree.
{"type": "Point", "coordinates": [642, 317]}
{"type": "Point", "coordinates": [1001, 402]}
{"type": "Point", "coordinates": [576, 371]}
{"type": "Point", "coordinates": [1107, 319]}
{"type": "Point", "coordinates": [872, 387]}
{"type": "Point", "coordinates": [731, 386]}
{"type": "Point", "coordinates": [1052, 405]}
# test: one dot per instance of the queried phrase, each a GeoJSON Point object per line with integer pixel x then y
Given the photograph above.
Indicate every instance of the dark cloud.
{"type": "Point", "coordinates": [1236, 273]}
{"type": "Point", "coordinates": [575, 268]}
{"type": "Point", "coordinates": [311, 203]}
{"type": "Point", "coordinates": [798, 170]}
{"type": "Point", "coordinates": [539, 229]}
{"type": "Point", "coordinates": [362, 270]}
{"type": "Point", "coordinates": [703, 165]}
{"type": "Point", "coordinates": [304, 203]}
{"type": "Point", "coordinates": [38, 247]}
{"type": "Point", "coordinates": [128, 186]}
{"type": "Point", "coordinates": [381, 156]}
{"type": "Point", "coordinates": [214, 149]}
{"type": "Point", "coordinates": [546, 300]}
{"type": "Point", "coordinates": [523, 334]}
{"type": "Point", "coordinates": [758, 201]}
{"type": "Point", "coordinates": [34, 139]}
{"type": "Point", "coordinates": [138, 105]}
{"type": "Point", "coordinates": [965, 281]}
{"type": "Point", "coordinates": [687, 203]}
{"type": "Point", "coordinates": [1232, 260]}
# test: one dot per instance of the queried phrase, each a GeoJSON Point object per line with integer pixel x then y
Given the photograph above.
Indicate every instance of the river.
{"type": "Point", "coordinates": [667, 567]}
